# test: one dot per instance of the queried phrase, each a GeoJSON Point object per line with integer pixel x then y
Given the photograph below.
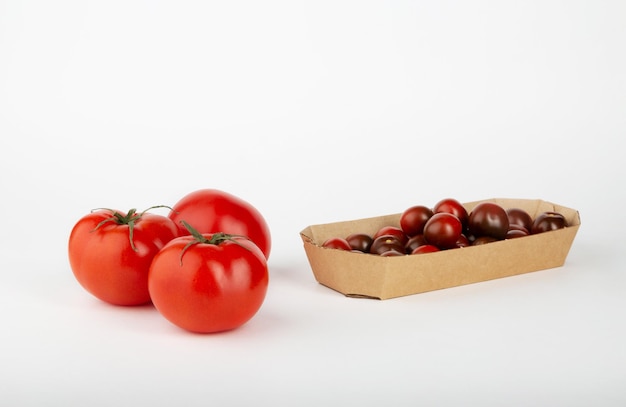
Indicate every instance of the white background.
{"type": "Point", "coordinates": [314, 112]}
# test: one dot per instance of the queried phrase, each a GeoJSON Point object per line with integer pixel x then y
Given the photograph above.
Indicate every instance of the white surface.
{"type": "Point", "coordinates": [314, 112]}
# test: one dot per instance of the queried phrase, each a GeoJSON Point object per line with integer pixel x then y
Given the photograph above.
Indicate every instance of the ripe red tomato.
{"type": "Point", "coordinates": [360, 242]}
{"type": "Point", "coordinates": [110, 253]}
{"type": "Point", "coordinates": [415, 242]}
{"type": "Point", "coordinates": [413, 219]}
{"type": "Point", "coordinates": [209, 282]}
{"type": "Point", "coordinates": [548, 221]}
{"type": "Point", "coordinates": [427, 248]}
{"type": "Point", "coordinates": [519, 217]}
{"type": "Point", "coordinates": [212, 211]}
{"type": "Point", "coordinates": [483, 240]}
{"type": "Point", "coordinates": [391, 253]}
{"type": "Point", "coordinates": [515, 233]}
{"type": "Point", "coordinates": [443, 230]}
{"type": "Point", "coordinates": [393, 231]}
{"type": "Point", "coordinates": [337, 243]}
{"type": "Point", "coordinates": [386, 243]}
{"type": "Point", "coordinates": [488, 219]}
{"type": "Point", "coordinates": [463, 241]}
{"type": "Point", "coordinates": [454, 207]}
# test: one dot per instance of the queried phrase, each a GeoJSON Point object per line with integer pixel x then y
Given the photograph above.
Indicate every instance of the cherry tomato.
{"type": "Point", "coordinates": [393, 231]}
{"type": "Point", "coordinates": [391, 253]}
{"type": "Point", "coordinates": [515, 233]}
{"type": "Point", "coordinates": [427, 248]}
{"type": "Point", "coordinates": [413, 219]}
{"type": "Point", "coordinates": [385, 243]}
{"type": "Point", "coordinates": [483, 240]}
{"type": "Point", "coordinates": [110, 253]}
{"type": "Point", "coordinates": [211, 211]}
{"type": "Point", "coordinates": [463, 241]}
{"type": "Point", "coordinates": [548, 221]}
{"type": "Point", "coordinates": [488, 219]}
{"type": "Point", "coordinates": [443, 230]}
{"type": "Point", "coordinates": [209, 282]}
{"type": "Point", "coordinates": [513, 226]}
{"type": "Point", "coordinates": [454, 207]}
{"type": "Point", "coordinates": [337, 243]}
{"type": "Point", "coordinates": [519, 217]}
{"type": "Point", "coordinates": [414, 242]}
{"type": "Point", "coordinates": [360, 241]}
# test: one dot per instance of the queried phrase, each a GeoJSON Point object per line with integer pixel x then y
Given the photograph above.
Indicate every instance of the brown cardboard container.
{"type": "Point", "coordinates": [372, 276]}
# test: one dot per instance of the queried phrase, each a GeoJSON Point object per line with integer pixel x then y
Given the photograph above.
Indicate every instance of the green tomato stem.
{"type": "Point", "coordinates": [216, 239]}
{"type": "Point", "coordinates": [129, 219]}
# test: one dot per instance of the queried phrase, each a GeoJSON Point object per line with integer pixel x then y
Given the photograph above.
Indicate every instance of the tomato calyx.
{"type": "Point", "coordinates": [216, 239]}
{"type": "Point", "coordinates": [129, 219]}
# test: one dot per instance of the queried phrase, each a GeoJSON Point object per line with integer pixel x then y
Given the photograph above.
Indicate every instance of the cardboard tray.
{"type": "Point", "coordinates": [372, 276]}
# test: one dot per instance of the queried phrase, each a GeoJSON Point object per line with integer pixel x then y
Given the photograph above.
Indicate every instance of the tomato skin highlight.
{"type": "Point", "coordinates": [212, 211]}
{"type": "Point", "coordinates": [215, 288]}
{"type": "Point", "coordinates": [104, 262]}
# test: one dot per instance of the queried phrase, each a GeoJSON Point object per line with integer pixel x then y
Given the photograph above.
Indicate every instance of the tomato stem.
{"type": "Point", "coordinates": [129, 219]}
{"type": "Point", "coordinates": [216, 239]}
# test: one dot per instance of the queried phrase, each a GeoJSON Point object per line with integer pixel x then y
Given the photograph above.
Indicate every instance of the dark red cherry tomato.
{"type": "Point", "coordinates": [391, 253]}
{"type": "Point", "coordinates": [393, 231]}
{"type": "Point", "coordinates": [427, 248]}
{"type": "Point", "coordinates": [414, 242]}
{"type": "Point", "coordinates": [443, 230]}
{"type": "Point", "coordinates": [360, 241]}
{"type": "Point", "coordinates": [385, 243]}
{"type": "Point", "coordinates": [488, 219]}
{"type": "Point", "coordinates": [548, 221]}
{"type": "Point", "coordinates": [454, 207]}
{"type": "Point", "coordinates": [519, 217]}
{"type": "Point", "coordinates": [463, 241]}
{"type": "Point", "coordinates": [337, 243]}
{"type": "Point", "coordinates": [513, 226]}
{"type": "Point", "coordinates": [413, 219]}
{"type": "Point", "coordinates": [514, 233]}
{"type": "Point", "coordinates": [483, 240]}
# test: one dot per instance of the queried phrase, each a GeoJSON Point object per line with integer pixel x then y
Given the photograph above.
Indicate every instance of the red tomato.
{"type": "Point", "coordinates": [519, 217]}
{"type": "Point", "coordinates": [386, 243]}
{"type": "Point", "coordinates": [548, 221]}
{"type": "Point", "coordinates": [337, 243]}
{"type": "Point", "coordinates": [209, 282]}
{"type": "Point", "coordinates": [427, 248]}
{"type": "Point", "coordinates": [463, 241]}
{"type": "Point", "coordinates": [454, 207]}
{"type": "Point", "coordinates": [360, 241]}
{"type": "Point", "coordinates": [413, 219]}
{"type": "Point", "coordinates": [488, 219]}
{"type": "Point", "coordinates": [391, 253]}
{"type": "Point", "coordinates": [110, 253]}
{"type": "Point", "coordinates": [415, 242]}
{"type": "Point", "coordinates": [515, 233]}
{"type": "Point", "coordinates": [393, 231]}
{"type": "Point", "coordinates": [212, 211]}
{"type": "Point", "coordinates": [443, 230]}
